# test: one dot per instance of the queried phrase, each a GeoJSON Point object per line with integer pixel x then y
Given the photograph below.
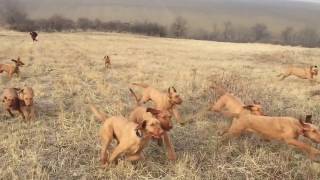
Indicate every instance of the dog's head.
{"type": "Point", "coordinates": [163, 116]}
{"type": "Point", "coordinates": [10, 99]}
{"type": "Point", "coordinates": [151, 124]}
{"type": "Point", "coordinates": [18, 62]}
{"type": "Point", "coordinates": [107, 59]}
{"type": "Point", "coordinates": [33, 34]}
{"type": "Point", "coordinates": [26, 94]}
{"type": "Point", "coordinates": [174, 97]}
{"type": "Point", "coordinates": [314, 70]}
{"type": "Point", "coordinates": [309, 130]}
{"type": "Point", "coordinates": [255, 108]}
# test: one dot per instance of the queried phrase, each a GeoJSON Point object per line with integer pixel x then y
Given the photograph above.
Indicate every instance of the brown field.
{"type": "Point", "coordinates": [66, 71]}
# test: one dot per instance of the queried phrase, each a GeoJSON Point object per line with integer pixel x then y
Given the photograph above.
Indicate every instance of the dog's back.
{"type": "Point", "coordinates": [277, 128]}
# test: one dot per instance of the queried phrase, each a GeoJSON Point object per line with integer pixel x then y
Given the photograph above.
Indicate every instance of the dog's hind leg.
{"type": "Point", "coordinates": [117, 151]}
{"type": "Point", "coordinates": [284, 76]}
{"type": "Point", "coordinates": [106, 138]}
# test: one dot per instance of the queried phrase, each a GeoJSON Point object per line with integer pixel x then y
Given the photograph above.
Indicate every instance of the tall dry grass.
{"type": "Point", "coordinates": [67, 71]}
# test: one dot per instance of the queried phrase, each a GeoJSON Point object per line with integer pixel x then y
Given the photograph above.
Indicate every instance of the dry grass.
{"type": "Point", "coordinates": [66, 72]}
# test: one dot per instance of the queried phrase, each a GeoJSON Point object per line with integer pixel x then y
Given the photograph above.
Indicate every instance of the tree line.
{"type": "Point", "coordinates": [17, 19]}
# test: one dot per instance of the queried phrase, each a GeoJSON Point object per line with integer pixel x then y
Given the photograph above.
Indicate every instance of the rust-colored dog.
{"type": "Point", "coordinates": [33, 36]}
{"type": "Point", "coordinates": [163, 101]}
{"type": "Point", "coordinates": [303, 73]}
{"type": "Point", "coordinates": [12, 68]}
{"type": "Point", "coordinates": [229, 105]}
{"type": "Point", "coordinates": [285, 129]}
{"type": "Point", "coordinates": [164, 117]}
{"type": "Point", "coordinates": [131, 137]}
{"type": "Point", "coordinates": [26, 96]}
{"type": "Point", "coordinates": [107, 62]}
{"type": "Point", "coordinates": [11, 101]}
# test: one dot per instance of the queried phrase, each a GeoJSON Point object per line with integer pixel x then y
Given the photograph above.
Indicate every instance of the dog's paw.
{"type": "Point", "coordinates": [172, 157]}
{"type": "Point", "coordinates": [182, 123]}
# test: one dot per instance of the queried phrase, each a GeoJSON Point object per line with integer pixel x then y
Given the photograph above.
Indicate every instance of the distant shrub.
{"type": "Point", "coordinates": [260, 33]}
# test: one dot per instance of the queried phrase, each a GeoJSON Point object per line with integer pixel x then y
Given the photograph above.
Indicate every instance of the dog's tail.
{"type": "Point", "coordinates": [134, 95]}
{"type": "Point", "coordinates": [218, 89]}
{"type": "Point", "coordinates": [315, 93]}
{"type": "Point", "coordinates": [140, 85]}
{"type": "Point", "coordinates": [100, 115]}
{"type": "Point", "coordinates": [279, 75]}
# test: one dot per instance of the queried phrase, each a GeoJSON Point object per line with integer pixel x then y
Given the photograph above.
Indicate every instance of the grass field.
{"type": "Point", "coordinates": [67, 72]}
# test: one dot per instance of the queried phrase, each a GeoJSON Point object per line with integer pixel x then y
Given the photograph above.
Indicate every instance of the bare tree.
{"type": "Point", "coordinates": [260, 32]}
{"type": "Point", "coordinates": [287, 36]}
{"type": "Point", "coordinates": [228, 32]}
{"type": "Point", "coordinates": [179, 27]}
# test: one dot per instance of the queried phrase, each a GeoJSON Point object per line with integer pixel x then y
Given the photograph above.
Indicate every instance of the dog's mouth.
{"type": "Point", "coordinates": [156, 136]}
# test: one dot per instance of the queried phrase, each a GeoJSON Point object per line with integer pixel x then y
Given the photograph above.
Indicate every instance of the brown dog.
{"type": "Point", "coordinates": [229, 105]}
{"type": "Point", "coordinates": [164, 117]}
{"type": "Point", "coordinates": [107, 62]}
{"type": "Point", "coordinates": [11, 101]}
{"type": "Point", "coordinates": [303, 73]}
{"type": "Point", "coordinates": [26, 96]}
{"type": "Point", "coordinates": [131, 137]}
{"type": "Point", "coordinates": [33, 36]}
{"type": "Point", "coordinates": [10, 68]}
{"type": "Point", "coordinates": [163, 101]}
{"type": "Point", "coordinates": [285, 129]}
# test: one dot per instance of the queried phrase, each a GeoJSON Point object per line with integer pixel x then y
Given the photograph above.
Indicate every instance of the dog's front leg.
{"type": "Point", "coordinates": [22, 114]}
{"type": "Point", "coordinates": [170, 149]}
{"type": "Point", "coordinates": [312, 152]}
{"type": "Point", "coordinates": [32, 115]}
{"type": "Point", "coordinates": [9, 111]}
{"type": "Point", "coordinates": [10, 75]}
{"type": "Point", "coordinates": [177, 115]}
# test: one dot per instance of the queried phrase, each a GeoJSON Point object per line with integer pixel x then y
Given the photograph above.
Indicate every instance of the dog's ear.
{"type": "Point", "coordinates": [174, 89]}
{"type": "Point", "coordinates": [13, 60]}
{"type": "Point", "coordinates": [142, 125]}
{"type": "Point", "coordinates": [308, 119]}
{"type": "Point", "coordinates": [19, 90]}
{"type": "Point", "coordinates": [256, 102]}
{"type": "Point", "coordinates": [169, 91]}
{"type": "Point", "coordinates": [154, 112]}
{"type": "Point", "coordinates": [248, 107]}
